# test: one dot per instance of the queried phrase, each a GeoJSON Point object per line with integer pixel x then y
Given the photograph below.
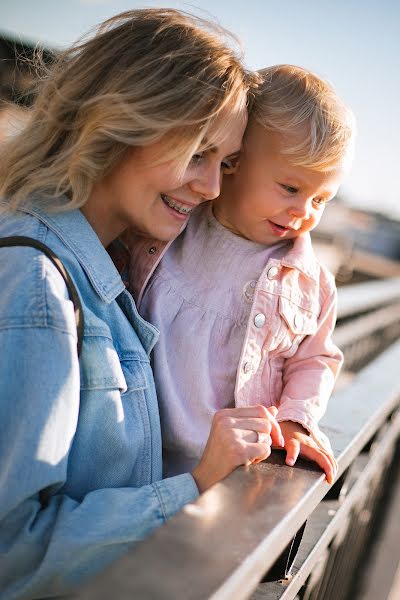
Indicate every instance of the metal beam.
{"type": "Point", "coordinates": [220, 546]}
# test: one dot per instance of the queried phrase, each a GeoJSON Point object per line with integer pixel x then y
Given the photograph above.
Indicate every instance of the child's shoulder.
{"type": "Point", "coordinates": [327, 284]}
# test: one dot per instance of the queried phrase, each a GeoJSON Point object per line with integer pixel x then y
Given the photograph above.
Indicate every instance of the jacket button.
{"type": "Point", "coordinates": [272, 272]}
{"type": "Point", "coordinates": [298, 320]}
{"type": "Point", "coordinates": [259, 320]}
{"type": "Point", "coordinates": [152, 250]}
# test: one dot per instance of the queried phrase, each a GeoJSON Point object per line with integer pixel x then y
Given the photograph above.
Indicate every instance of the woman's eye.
{"type": "Point", "coordinates": [196, 158]}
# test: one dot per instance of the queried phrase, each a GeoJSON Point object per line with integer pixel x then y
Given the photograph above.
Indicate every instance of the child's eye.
{"type": "Point", "coordinates": [229, 165]}
{"type": "Point", "coordinates": [290, 188]}
{"type": "Point", "coordinates": [319, 201]}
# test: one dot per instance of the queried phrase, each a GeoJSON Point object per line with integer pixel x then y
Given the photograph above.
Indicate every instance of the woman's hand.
{"type": "Point", "coordinates": [238, 436]}
{"type": "Point", "coordinates": [298, 441]}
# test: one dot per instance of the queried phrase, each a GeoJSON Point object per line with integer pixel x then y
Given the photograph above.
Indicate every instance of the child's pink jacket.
{"type": "Point", "coordinates": [288, 358]}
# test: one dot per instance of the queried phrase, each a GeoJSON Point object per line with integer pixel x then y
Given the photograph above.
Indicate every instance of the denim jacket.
{"type": "Point", "coordinates": [80, 445]}
{"type": "Point", "coordinates": [288, 358]}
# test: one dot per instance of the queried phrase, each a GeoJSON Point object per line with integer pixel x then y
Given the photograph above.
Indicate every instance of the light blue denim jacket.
{"type": "Point", "coordinates": [80, 445]}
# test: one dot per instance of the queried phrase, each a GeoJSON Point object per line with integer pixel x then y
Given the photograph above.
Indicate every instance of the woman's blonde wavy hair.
{"type": "Point", "coordinates": [144, 74]}
{"type": "Point", "coordinates": [317, 126]}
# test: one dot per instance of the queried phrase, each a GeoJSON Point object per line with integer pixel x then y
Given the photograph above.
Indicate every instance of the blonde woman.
{"type": "Point", "coordinates": [133, 128]}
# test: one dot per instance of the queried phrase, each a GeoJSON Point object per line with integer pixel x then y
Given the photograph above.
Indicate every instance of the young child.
{"type": "Point", "coordinates": [245, 310]}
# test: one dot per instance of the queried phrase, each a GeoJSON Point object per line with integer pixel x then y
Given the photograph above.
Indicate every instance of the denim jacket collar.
{"type": "Point", "coordinates": [77, 234]}
{"type": "Point", "coordinates": [301, 256]}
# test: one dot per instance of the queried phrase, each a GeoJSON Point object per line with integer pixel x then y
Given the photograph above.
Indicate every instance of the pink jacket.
{"type": "Point", "coordinates": [288, 358]}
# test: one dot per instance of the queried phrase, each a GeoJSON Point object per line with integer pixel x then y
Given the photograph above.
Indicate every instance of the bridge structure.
{"type": "Point", "coordinates": [270, 531]}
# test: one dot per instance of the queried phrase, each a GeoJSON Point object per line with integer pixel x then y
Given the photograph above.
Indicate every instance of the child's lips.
{"type": "Point", "coordinates": [279, 230]}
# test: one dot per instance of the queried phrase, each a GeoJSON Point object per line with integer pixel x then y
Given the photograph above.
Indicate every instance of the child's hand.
{"type": "Point", "coordinates": [298, 441]}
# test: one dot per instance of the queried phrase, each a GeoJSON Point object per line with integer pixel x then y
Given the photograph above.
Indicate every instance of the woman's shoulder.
{"type": "Point", "coordinates": [33, 292]}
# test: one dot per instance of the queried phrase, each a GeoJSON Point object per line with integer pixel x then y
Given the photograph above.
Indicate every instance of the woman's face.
{"type": "Point", "coordinates": [156, 200]}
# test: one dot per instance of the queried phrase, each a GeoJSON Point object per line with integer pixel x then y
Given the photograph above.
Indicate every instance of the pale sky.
{"type": "Point", "coordinates": [353, 43]}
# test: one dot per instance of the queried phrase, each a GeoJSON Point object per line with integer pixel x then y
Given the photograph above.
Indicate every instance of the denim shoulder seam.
{"type": "Point", "coordinates": [160, 500]}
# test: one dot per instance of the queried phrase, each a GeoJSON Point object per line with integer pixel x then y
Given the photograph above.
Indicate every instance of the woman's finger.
{"type": "Point", "coordinates": [254, 412]}
{"type": "Point", "coordinates": [266, 426]}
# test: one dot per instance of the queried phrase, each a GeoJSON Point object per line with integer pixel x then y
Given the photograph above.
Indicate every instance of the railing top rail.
{"type": "Point", "coordinates": [220, 546]}
{"type": "Point", "coordinates": [360, 297]}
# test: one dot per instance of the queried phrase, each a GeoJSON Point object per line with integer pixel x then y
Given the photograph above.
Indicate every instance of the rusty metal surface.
{"type": "Point", "coordinates": [220, 546]}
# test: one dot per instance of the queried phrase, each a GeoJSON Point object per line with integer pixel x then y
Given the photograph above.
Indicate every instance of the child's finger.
{"type": "Point", "coordinates": [292, 452]}
{"type": "Point", "coordinates": [331, 459]}
{"type": "Point", "coordinates": [322, 460]}
{"type": "Point", "coordinates": [333, 463]}
{"type": "Point", "coordinates": [273, 410]}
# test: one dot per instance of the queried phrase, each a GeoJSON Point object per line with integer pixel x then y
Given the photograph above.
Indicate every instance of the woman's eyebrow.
{"type": "Point", "coordinates": [214, 149]}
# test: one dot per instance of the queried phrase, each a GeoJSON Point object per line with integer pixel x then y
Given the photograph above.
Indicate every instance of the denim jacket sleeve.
{"type": "Point", "coordinates": [310, 374]}
{"type": "Point", "coordinates": [51, 539]}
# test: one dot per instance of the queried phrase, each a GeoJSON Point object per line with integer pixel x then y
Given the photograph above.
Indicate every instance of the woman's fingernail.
{"type": "Point", "coordinates": [290, 462]}
{"type": "Point", "coordinates": [282, 441]}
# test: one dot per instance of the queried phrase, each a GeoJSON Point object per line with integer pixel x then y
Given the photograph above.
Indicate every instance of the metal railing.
{"type": "Point", "coordinates": [244, 532]}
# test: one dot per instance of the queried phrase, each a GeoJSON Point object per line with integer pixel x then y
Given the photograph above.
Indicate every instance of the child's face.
{"type": "Point", "coordinates": [268, 198]}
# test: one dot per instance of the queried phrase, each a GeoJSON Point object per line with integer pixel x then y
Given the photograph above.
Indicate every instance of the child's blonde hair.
{"type": "Point", "coordinates": [145, 73]}
{"type": "Point", "coordinates": [317, 127]}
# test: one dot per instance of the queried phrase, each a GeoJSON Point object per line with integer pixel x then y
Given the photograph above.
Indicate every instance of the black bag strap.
{"type": "Point", "coordinates": [20, 240]}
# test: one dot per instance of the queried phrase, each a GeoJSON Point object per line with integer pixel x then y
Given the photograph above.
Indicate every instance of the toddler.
{"type": "Point", "coordinates": [245, 310]}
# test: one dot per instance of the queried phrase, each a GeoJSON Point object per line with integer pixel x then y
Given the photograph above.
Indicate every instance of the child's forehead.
{"type": "Point", "coordinates": [293, 151]}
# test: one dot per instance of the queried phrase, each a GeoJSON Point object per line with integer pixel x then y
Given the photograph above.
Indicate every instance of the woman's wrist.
{"type": "Point", "coordinates": [200, 479]}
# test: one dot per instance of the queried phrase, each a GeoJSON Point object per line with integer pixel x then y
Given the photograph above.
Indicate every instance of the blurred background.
{"type": "Point", "coordinates": [353, 43]}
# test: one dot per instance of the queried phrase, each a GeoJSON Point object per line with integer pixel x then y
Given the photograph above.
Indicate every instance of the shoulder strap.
{"type": "Point", "coordinates": [18, 240]}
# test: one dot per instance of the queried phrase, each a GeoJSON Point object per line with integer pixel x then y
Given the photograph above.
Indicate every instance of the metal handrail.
{"type": "Point", "coordinates": [220, 546]}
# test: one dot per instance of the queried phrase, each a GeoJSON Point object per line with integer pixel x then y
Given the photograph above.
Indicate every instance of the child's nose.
{"type": "Point", "coordinates": [301, 210]}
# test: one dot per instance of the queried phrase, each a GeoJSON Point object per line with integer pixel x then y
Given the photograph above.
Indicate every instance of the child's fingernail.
{"type": "Point", "coordinates": [290, 462]}
{"type": "Point", "coordinates": [282, 441]}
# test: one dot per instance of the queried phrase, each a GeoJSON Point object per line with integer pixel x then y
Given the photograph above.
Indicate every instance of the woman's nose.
{"type": "Point", "coordinates": [208, 183]}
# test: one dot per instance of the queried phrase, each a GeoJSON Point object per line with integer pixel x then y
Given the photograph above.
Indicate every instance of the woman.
{"type": "Point", "coordinates": [133, 128]}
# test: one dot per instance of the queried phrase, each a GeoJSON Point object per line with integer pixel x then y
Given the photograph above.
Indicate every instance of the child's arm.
{"type": "Point", "coordinates": [308, 380]}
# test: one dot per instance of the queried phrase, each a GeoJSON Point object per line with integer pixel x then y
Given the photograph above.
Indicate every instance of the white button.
{"type": "Point", "coordinates": [247, 367]}
{"type": "Point", "coordinates": [259, 320]}
{"type": "Point", "coordinates": [248, 290]}
{"type": "Point", "coordinates": [298, 320]}
{"type": "Point", "coordinates": [272, 272]}
{"type": "Point", "coordinates": [152, 250]}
